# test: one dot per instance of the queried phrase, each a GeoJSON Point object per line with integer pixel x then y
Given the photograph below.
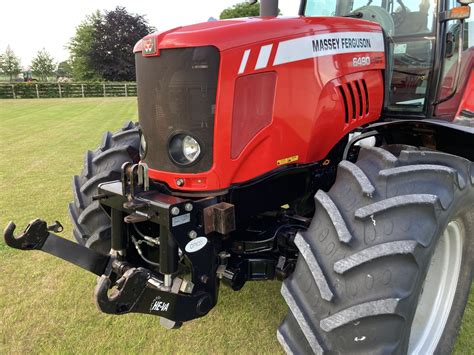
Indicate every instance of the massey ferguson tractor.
{"type": "Point", "coordinates": [332, 151]}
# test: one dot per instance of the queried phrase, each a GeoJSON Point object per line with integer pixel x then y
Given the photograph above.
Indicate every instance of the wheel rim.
{"type": "Point", "coordinates": [438, 291]}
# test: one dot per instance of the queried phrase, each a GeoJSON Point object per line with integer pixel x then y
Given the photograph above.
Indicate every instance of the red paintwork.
{"type": "Point", "coordinates": [464, 97]}
{"type": "Point", "coordinates": [308, 113]}
{"type": "Point", "coordinates": [467, 102]}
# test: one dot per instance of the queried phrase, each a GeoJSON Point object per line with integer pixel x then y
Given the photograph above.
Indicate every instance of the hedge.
{"type": "Point", "coordinates": [34, 90]}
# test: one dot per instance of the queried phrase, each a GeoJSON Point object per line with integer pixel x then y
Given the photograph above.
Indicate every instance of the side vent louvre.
{"type": "Point", "coordinates": [364, 85]}
{"type": "Point", "coordinates": [361, 101]}
{"type": "Point", "coordinates": [355, 98]}
{"type": "Point", "coordinates": [346, 106]}
{"type": "Point", "coordinates": [353, 101]}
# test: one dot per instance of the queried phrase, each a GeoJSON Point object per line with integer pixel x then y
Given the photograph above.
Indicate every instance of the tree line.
{"type": "Point", "coordinates": [101, 49]}
{"type": "Point", "coordinates": [42, 64]}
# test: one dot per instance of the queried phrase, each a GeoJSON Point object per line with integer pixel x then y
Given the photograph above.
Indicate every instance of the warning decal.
{"type": "Point", "coordinates": [287, 160]}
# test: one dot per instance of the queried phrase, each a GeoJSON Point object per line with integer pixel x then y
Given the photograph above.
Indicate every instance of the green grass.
{"type": "Point", "coordinates": [46, 304]}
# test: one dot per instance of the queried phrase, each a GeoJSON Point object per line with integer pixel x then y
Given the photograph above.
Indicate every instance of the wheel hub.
{"type": "Point", "coordinates": [438, 291]}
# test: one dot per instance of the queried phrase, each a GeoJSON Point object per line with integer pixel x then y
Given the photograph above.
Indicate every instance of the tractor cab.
{"type": "Point", "coordinates": [430, 51]}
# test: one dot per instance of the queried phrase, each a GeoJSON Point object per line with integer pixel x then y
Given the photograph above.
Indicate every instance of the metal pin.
{"type": "Point", "coordinates": [168, 280]}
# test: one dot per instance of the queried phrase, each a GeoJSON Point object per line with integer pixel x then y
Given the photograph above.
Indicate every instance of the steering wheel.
{"type": "Point", "coordinates": [399, 17]}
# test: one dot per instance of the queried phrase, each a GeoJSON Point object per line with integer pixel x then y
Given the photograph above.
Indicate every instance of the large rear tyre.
{"type": "Point", "coordinates": [386, 264]}
{"type": "Point", "coordinates": [91, 225]}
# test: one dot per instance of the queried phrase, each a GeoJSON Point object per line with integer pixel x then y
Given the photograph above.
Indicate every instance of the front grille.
{"type": "Point", "coordinates": [177, 94]}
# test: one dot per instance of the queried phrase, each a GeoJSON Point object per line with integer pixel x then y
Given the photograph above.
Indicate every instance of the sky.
{"type": "Point", "coordinates": [31, 25]}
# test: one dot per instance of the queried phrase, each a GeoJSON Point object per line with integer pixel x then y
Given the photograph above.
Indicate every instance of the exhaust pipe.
{"type": "Point", "coordinates": [268, 8]}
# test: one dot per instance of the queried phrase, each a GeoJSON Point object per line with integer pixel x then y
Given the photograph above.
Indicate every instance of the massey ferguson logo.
{"type": "Point", "coordinates": [159, 306]}
{"type": "Point", "coordinates": [149, 46]}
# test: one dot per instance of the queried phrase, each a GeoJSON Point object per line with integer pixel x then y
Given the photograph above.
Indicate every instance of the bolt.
{"type": "Point", "coordinates": [180, 182]}
{"type": "Point", "coordinates": [175, 211]}
{"type": "Point", "coordinates": [192, 234]}
{"type": "Point", "coordinates": [204, 279]}
{"type": "Point", "coordinates": [188, 207]}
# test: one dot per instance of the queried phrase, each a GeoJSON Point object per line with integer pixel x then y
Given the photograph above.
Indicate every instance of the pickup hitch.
{"type": "Point", "coordinates": [121, 287]}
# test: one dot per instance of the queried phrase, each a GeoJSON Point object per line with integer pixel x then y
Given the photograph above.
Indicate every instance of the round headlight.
{"type": "Point", "coordinates": [184, 149]}
{"type": "Point", "coordinates": [191, 148]}
{"type": "Point", "coordinates": [143, 147]}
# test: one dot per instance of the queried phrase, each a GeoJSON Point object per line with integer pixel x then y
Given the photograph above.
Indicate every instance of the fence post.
{"type": "Point", "coordinates": [37, 91]}
{"type": "Point", "coordinates": [103, 86]}
{"type": "Point", "coordinates": [82, 89]}
{"type": "Point", "coordinates": [13, 91]}
{"type": "Point", "coordinates": [126, 90]}
{"type": "Point", "coordinates": [60, 93]}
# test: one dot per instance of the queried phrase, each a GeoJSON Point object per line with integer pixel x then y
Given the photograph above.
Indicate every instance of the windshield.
{"type": "Point", "coordinates": [410, 25]}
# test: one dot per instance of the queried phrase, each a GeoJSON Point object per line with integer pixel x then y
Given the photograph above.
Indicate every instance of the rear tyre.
{"type": "Point", "coordinates": [386, 264]}
{"type": "Point", "coordinates": [91, 225]}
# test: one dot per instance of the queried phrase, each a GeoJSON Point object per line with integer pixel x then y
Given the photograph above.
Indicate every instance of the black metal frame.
{"type": "Point", "coordinates": [435, 134]}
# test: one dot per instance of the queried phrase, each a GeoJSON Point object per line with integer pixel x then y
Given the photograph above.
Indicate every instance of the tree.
{"type": "Point", "coordinates": [114, 37]}
{"type": "Point", "coordinates": [10, 63]}
{"type": "Point", "coordinates": [242, 9]}
{"type": "Point", "coordinates": [43, 65]}
{"type": "Point", "coordinates": [64, 69]}
{"type": "Point", "coordinates": [80, 48]}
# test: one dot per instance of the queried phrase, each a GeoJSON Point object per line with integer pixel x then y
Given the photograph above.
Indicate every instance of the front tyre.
{"type": "Point", "coordinates": [91, 225]}
{"type": "Point", "coordinates": [386, 265]}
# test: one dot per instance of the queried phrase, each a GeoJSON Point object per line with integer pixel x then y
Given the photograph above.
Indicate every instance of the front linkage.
{"type": "Point", "coordinates": [187, 236]}
{"type": "Point", "coordinates": [138, 289]}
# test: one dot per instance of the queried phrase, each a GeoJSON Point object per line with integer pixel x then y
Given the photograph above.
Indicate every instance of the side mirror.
{"type": "Point", "coordinates": [457, 13]}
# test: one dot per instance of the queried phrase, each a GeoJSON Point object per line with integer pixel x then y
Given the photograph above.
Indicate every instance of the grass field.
{"type": "Point", "coordinates": [46, 305]}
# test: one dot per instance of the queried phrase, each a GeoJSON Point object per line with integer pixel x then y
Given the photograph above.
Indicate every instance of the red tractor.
{"type": "Point", "coordinates": [321, 150]}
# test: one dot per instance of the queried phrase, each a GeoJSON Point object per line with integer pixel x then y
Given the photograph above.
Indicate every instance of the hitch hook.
{"type": "Point", "coordinates": [33, 237]}
{"type": "Point", "coordinates": [122, 300]}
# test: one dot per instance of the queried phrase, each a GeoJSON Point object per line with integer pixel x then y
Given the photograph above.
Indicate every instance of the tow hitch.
{"type": "Point", "coordinates": [124, 287]}
{"type": "Point", "coordinates": [137, 290]}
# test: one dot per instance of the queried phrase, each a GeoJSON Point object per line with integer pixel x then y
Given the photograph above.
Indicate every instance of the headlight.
{"type": "Point", "coordinates": [143, 147]}
{"type": "Point", "coordinates": [191, 148]}
{"type": "Point", "coordinates": [184, 149]}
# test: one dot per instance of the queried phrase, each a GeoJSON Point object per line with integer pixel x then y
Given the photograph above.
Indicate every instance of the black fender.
{"type": "Point", "coordinates": [439, 135]}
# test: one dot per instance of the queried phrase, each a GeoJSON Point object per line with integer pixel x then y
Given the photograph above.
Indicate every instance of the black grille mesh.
{"type": "Point", "coordinates": [177, 94]}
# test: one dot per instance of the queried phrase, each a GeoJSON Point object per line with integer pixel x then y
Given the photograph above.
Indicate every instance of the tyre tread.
{"type": "Point", "coordinates": [395, 202]}
{"type": "Point", "coordinates": [366, 186]}
{"type": "Point", "coordinates": [374, 252]}
{"type": "Point", "coordinates": [363, 310]}
{"type": "Point", "coordinates": [335, 216]}
{"type": "Point", "coordinates": [301, 319]}
{"type": "Point", "coordinates": [316, 271]}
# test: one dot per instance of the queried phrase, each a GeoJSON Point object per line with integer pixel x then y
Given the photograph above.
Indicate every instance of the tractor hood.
{"type": "Point", "coordinates": [227, 34]}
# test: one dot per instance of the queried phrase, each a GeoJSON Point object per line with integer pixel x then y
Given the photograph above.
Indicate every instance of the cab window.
{"type": "Point", "coordinates": [410, 26]}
